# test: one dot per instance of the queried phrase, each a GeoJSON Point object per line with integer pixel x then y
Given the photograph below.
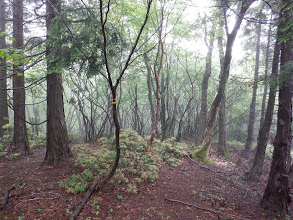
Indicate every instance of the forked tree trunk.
{"type": "Point", "coordinates": [20, 140]}
{"type": "Point", "coordinates": [252, 113]}
{"type": "Point", "coordinates": [157, 72]}
{"type": "Point", "coordinates": [276, 197]}
{"type": "Point", "coordinates": [205, 146]}
{"type": "Point", "coordinates": [57, 135]}
{"type": "Point", "coordinates": [3, 72]}
{"type": "Point", "coordinates": [264, 131]}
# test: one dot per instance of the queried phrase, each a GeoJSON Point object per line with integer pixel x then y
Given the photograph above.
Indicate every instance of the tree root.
{"type": "Point", "coordinates": [6, 195]}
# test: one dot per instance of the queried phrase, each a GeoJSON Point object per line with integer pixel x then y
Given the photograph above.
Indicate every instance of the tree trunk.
{"type": "Point", "coordinates": [149, 84]}
{"type": "Point", "coordinates": [157, 72]}
{"type": "Point", "coordinates": [249, 139]}
{"type": "Point", "coordinates": [222, 147]}
{"type": "Point", "coordinates": [57, 136]}
{"type": "Point", "coordinates": [276, 197]}
{"type": "Point", "coordinates": [204, 92]}
{"type": "Point", "coordinates": [205, 146]}
{"type": "Point", "coordinates": [3, 72]}
{"type": "Point", "coordinates": [21, 143]}
{"type": "Point", "coordinates": [136, 116]}
{"type": "Point", "coordinates": [263, 105]}
{"type": "Point", "coordinates": [264, 131]}
{"type": "Point", "coordinates": [163, 106]}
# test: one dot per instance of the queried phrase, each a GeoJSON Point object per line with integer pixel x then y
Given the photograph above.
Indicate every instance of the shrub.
{"type": "Point", "coordinates": [135, 164]}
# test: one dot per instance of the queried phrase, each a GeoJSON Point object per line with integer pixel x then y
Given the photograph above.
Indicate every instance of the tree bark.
{"type": "Point", "coordinates": [57, 135]}
{"type": "Point", "coordinates": [204, 92]}
{"type": "Point", "coordinates": [149, 84]}
{"type": "Point", "coordinates": [3, 72]}
{"type": "Point", "coordinates": [163, 105]}
{"type": "Point", "coordinates": [20, 140]}
{"type": "Point", "coordinates": [276, 197]}
{"type": "Point", "coordinates": [205, 146]}
{"type": "Point", "coordinates": [264, 131]}
{"type": "Point", "coordinates": [222, 147]}
{"type": "Point", "coordinates": [263, 105]}
{"type": "Point", "coordinates": [251, 122]}
{"type": "Point", "coordinates": [157, 72]}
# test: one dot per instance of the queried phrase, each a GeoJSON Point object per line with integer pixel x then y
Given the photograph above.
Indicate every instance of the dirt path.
{"type": "Point", "coordinates": [190, 191]}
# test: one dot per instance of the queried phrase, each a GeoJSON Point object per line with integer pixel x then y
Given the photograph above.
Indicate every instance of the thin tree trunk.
{"type": "Point", "coordinates": [276, 197]}
{"type": "Point", "coordinates": [21, 143]}
{"type": "Point", "coordinates": [149, 84]}
{"type": "Point", "coordinates": [222, 147]}
{"type": "Point", "coordinates": [264, 131]}
{"type": "Point", "coordinates": [179, 134]}
{"type": "Point", "coordinates": [3, 71]}
{"type": "Point", "coordinates": [263, 105]}
{"type": "Point", "coordinates": [163, 106]}
{"type": "Point", "coordinates": [157, 72]}
{"type": "Point", "coordinates": [136, 116]}
{"type": "Point", "coordinates": [252, 113]}
{"type": "Point", "coordinates": [204, 92]}
{"type": "Point", "coordinates": [205, 146]}
{"type": "Point", "coordinates": [57, 135]}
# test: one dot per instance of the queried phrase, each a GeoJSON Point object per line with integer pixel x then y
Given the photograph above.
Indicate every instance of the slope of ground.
{"type": "Point", "coordinates": [193, 190]}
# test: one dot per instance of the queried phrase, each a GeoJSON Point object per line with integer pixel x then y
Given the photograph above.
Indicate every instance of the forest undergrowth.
{"type": "Point", "coordinates": [162, 184]}
{"type": "Point", "coordinates": [136, 165]}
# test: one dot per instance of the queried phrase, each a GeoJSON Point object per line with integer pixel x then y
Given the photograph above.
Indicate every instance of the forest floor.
{"type": "Point", "coordinates": [192, 190]}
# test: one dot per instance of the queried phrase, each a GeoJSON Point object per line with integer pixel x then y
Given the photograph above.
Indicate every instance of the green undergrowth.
{"type": "Point", "coordinates": [135, 164]}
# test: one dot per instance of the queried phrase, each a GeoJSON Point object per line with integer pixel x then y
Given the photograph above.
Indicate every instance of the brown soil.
{"type": "Point", "coordinates": [193, 190]}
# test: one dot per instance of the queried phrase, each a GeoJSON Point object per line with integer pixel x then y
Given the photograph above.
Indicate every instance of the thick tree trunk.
{"type": "Point", "coordinates": [264, 131]}
{"type": "Point", "coordinates": [21, 143]}
{"type": "Point", "coordinates": [276, 197]}
{"type": "Point", "coordinates": [57, 136]}
{"type": "Point", "coordinates": [251, 122]}
{"type": "Point", "coordinates": [3, 72]}
{"type": "Point", "coordinates": [205, 146]}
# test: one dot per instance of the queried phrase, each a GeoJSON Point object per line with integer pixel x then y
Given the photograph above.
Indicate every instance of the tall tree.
{"type": "Point", "coordinates": [264, 130]}
{"type": "Point", "coordinates": [205, 146]}
{"type": "Point", "coordinates": [276, 196]}
{"type": "Point", "coordinates": [222, 147]}
{"type": "Point", "coordinates": [157, 72]}
{"type": "Point", "coordinates": [57, 136]}
{"type": "Point", "coordinates": [267, 55]}
{"type": "Point", "coordinates": [204, 88]}
{"type": "Point", "coordinates": [252, 112]}
{"type": "Point", "coordinates": [3, 71]}
{"type": "Point", "coordinates": [20, 140]}
{"type": "Point", "coordinates": [113, 85]}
